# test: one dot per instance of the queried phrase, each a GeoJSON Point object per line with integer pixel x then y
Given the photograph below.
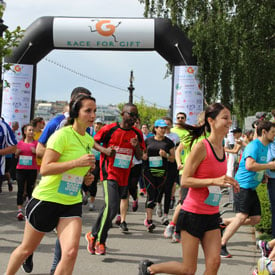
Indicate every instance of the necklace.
{"type": "Point", "coordinates": [87, 149]}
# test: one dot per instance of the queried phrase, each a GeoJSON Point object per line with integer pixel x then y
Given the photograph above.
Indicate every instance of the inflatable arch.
{"type": "Point", "coordinates": [115, 34]}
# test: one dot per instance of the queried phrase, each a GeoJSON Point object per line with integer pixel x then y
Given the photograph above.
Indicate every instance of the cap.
{"type": "Point", "coordinates": [236, 130]}
{"type": "Point", "coordinates": [160, 123]}
{"type": "Point", "coordinates": [98, 120]}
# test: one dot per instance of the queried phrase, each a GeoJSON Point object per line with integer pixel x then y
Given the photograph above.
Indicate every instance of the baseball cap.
{"type": "Point", "coordinates": [236, 130]}
{"type": "Point", "coordinates": [160, 123]}
{"type": "Point", "coordinates": [98, 120]}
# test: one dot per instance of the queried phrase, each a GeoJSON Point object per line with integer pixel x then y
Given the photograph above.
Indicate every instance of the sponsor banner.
{"type": "Point", "coordinates": [187, 93]}
{"type": "Point", "coordinates": [99, 33]}
{"type": "Point", "coordinates": [16, 96]}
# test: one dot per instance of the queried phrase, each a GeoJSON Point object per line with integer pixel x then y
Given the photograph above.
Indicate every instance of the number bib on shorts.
{"type": "Point", "coordinates": [122, 161]}
{"type": "Point", "coordinates": [214, 196]}
{"type": "Point", "coordinates": [155, 161]}
{"type": "Point", "coordinates": [25, 160]}
{"type": "Point", "coordinates": [70, 185]}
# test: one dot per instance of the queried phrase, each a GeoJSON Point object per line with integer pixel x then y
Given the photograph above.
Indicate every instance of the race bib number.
{"type": "Point", "coordinates": [122, 161]}
{"type": "Point", "coordinates": [70, 185]}
{"type": "Point", "coordinates": [25, 160]}
{"type": "Point", "coordinates": [155, 161]}
{"type": "Point", "coordinates": [214, 196]}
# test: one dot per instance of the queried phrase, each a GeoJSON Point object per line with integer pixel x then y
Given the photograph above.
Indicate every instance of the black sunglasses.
{"type": "Point", "coordinates": [180, 117]}
{"type": "Point", "coordinates": [131, 114]}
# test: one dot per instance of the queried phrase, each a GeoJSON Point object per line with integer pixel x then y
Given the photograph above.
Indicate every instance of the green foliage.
{"type": "Point", "coordinates": [234, 44]}
{"type": "Point", "coordinates": [265, 225]}
{"type": "Point", "coordinates": [147, 114]}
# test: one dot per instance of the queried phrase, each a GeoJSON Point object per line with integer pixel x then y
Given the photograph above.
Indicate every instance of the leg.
{"type": "Point", "coordinates": [211, 244]}
{"type": "Point", "coordinates": [271, 192]}
{"type": "Point", "coordinates": [30, 177]}
{"type": "Point", "coordinates": [69, 231]}
{"type": "Point", "coordinates": [123, 209]}
{"type": "Point", "coordinates": [57, 255]}
{"type": "Point", "coordinates": [31, 240]}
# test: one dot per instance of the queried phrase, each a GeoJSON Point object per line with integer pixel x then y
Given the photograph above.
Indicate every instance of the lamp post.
{"type": "Point", "coordinates": [131, 88]}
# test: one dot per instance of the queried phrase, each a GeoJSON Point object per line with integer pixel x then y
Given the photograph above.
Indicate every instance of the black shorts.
{"type": "Point", "coordinates": [247, 202]}
{"type": "Point", "coordinates": [123, 192]}
{"type": "Point", "coordinates": [197, 224]}
{"type": "Point", "coordinates": [8, 164]}
{"type": "Point", "coordinates": [44, 216]}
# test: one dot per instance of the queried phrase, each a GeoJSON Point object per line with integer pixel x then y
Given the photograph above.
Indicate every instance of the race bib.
{"type": "Point", "coordinates": [96, 153]}
{"type": "Point", "coordinates": [122, 161]}
{"type": "Point", "coordinates": [70, 185]}
{"type": "Point", "coordinates": [259, 176]}
{"type": "Point", "coordinates": [214, 196]}
{"type": "Point", "coordinates": [25, 160]}
{"type": "Point", "coordinates": [155, 161]}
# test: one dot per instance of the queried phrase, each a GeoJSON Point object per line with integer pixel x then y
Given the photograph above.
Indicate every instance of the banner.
{"type": "Point", "coordinates": [187, 93]}
{"type": "Point", "coordinates": [17, 93]}
{"type": "Point", "coordinates": [98, 33]}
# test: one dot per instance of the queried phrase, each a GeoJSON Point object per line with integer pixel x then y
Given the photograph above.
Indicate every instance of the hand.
{"type": "Point", "coordinates": [134, 141]}
{"type": "Point", "coordinates": [180, 167]}
{"type": "Point", "coordinates": [144, 156]}
{"type": "Point", "coordinates": [226, 181]}
{"type": "Point", "coordinates": [86, 160]}
{"type": "Point", "coordinates": [88, 179]}
{"type": "Point", "coordinates": [162, 153]}
{"type": "Point", "coordinates": [110, 151]}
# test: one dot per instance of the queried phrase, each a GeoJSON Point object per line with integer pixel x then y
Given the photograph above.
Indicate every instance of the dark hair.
{"type": "Point", "coordinates": [79, 90]}
{"type": "Point", "coordinates": [36, 120]}
{"type": "Point", "coordinates": [128, 105]}
{"type": "Point", "coordinates": [211, 111]}
{"type": "Point", "coordinates": [75, 106]}
{"type": "Point", "coordinates": [249, 132]}
{"type": "Point", "coordinates": [181, 113]}
{"type": "Point", "coordinates": [23, 128]}
{"type": "Point", "coordinates": [167, 118]}
{"type": "Point", "coordinates": [264, 125]}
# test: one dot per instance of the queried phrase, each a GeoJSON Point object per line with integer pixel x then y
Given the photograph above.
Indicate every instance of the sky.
{"type": "Point", "coordinates": [113, 67]}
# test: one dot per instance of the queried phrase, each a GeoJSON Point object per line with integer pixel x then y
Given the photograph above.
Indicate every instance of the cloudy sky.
{"type": "Point", "coordinates": [112, 67]}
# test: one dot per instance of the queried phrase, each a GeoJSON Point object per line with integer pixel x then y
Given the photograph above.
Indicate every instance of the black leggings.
{"type": "Point", "coordinates": [93, 187]}
{"type": "Point", "coordinates": [133, 180]}
{"type": "Point", "coordinates": [22, 177]}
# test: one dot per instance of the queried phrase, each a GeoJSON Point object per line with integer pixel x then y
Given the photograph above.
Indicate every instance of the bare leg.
{"type": "Point", "coordinates": [123, 208]}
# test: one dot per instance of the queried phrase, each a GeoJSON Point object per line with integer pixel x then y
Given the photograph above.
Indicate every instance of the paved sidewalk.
{"type": "Point", "coordinates": [124, 251]}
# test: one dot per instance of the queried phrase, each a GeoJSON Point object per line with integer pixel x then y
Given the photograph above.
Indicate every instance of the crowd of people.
{"type": "Point", "coordinates": [57, 167]}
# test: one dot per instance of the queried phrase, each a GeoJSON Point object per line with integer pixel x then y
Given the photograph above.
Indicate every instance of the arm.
{"type": "Point", "coordinates": [40, 150]}
{"type": "Point", "coordinates": [51, 166]}
{"type": "Point", "coordinates": [107, 151]}
{"type": "Point", "coordinates": [235, 150]}
{"type": "Point", "coordinates": [252, 165]}
{"type": "Point", "coordinates": [8, 150]}
{"type": "Point", "coordinates": [171, 157]}
{"type": "Point", "coordinates": [137, 150]}
{"type": "Point", "coordinates": [178, 155]}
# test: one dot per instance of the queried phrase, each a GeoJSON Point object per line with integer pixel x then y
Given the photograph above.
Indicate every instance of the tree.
{"type": "Point", "coordinates": [234, 44]}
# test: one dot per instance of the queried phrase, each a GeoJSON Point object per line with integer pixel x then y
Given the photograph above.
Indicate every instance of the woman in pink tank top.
{"type": "Point", "coordinates": [204, 174]}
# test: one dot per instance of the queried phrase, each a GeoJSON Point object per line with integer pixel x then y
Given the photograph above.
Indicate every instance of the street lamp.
{"type": "Point", "coordinates": [131, 88]}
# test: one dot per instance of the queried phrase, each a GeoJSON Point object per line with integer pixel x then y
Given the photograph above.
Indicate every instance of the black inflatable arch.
{"type": "Point", "coordinates": [117, 34]}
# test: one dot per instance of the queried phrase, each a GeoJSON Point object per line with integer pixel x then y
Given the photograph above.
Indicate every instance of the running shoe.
{"type": "Point", "coordinates": [91, 207]}
{"type": "Point", "coordinates": [159, 210]}
{"type": "Point", "coordinates": [123, 227]}
{"type": "Point", "coordinates": [255, 271]}
{"type": "Point", "coordinates": [169, 231]}
{"type": "Point", "coordinates": [100, 249]}
{"type": "Point", "coordinates": [141, 192]}
{"type": "Point", "coordinates": [27, 266]}
{"type": "Point", "coordinates": [224, 253]}
{"type": "Point", "coordinates": [149, 225]}
{"type": "Point", "coordinates": [143, 267]}
{"type": "Point", "coordinates": [176, 237]}
{"type": "Point", "coordinates": [118, 220]}
{"type": "Point", "coordinates": [91, 242]}
{"type": "Point", "coordinates": [135, 206]}
{"type": "Point", "coordinates": [263, 247]}
{"type": "Point", "coordinates": [164, 220]}
{"type": "Point", "coordinates": [172, 202]}
{"type": "Point", "coordinates": [20, 216]}
{"type": "Point", "coordinates": [10, 186]}
{"type": "Point", "coordinates": [85, 199]}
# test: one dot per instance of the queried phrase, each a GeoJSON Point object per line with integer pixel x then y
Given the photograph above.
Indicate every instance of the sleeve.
{"type": "Point", "coordinates": [10, 139]}
{"type": "Point", "coordinates": [57, 141]}
{"type": "Point", "coordinates": [141, 142]}
{"type": "Point", "coordinates": [98, 137]}
{"type": "Point", "coordinates": [251, 151]}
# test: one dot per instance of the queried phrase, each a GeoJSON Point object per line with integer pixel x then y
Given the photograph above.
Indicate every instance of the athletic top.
{"type": "Point", "coordinates": [250, 179]}
{"type": "Point", "coordinates": [182, 133]}
{"type": "Point", "coordinates": [7, 138]}
{"type": "Point", "coordinates": [65, 188]}
{"type": "Point", "coordinates": [117, 167]}
{"type": "Point", "coordinates": [26, 158]}
{"type": "Point", "coordinates": [196, 200]}
{"type": "Point", "coordinates": [156, 164]}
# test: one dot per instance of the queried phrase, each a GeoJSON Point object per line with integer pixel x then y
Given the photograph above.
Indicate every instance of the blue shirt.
{"type": "Point", "coordinates": [7, 138]}
{"type": "Point", "coordinates": [250, 179]}
{"type": "Point", "coordinates": [271, 157]}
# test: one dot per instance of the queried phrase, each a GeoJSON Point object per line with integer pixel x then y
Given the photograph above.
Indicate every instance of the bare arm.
{"type": "Point", "coordinates": [235, 150]}
{"type": "Point", "coordinates": [178, 155]}
{"type": "Point", "coordinates": [40, 150]}
{"type": "Point", "coordinates": [51, 166]}
{"type": "Point", "coordinates": [252, 165]}
{"type": "Point", "coordinates": [8, 150]}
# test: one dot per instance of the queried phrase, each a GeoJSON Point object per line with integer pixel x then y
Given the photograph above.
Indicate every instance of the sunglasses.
{"type": "Point", "coordinates": [180, 117]}
{"type": "Point", "coordinates": [132, 114]}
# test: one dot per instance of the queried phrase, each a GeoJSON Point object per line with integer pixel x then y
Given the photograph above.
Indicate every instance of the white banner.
{"type": "Point", "coordinates": [188, 95]}
{"type": "Point", "coordinates": [17, 92]}
{"type": "Point", "coordinates": [99, 33]}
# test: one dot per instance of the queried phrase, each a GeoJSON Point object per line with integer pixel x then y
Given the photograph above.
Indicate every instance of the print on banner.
{"type": "Point", "coordinates": [103, 33]}
{"type": "Point", "coordinates": [188, 95]}
{"type": "Point", "coordinates": [16, 96]}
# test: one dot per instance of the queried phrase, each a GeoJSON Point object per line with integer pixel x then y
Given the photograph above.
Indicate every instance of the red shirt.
{"type": "Point", "coordinates": [118, 167]}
